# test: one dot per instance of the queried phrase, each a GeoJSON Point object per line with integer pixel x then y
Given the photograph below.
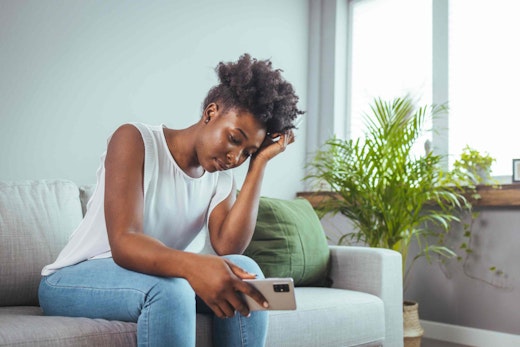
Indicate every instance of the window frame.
{"type": "Point", "coordinates": [330, 71]}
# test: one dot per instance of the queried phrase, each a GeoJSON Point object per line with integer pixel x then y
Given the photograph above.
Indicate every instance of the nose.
{"type": "Point", "coordinates": [234, 158]}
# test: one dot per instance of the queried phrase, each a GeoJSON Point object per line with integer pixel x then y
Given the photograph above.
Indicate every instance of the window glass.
{"type": "Point", "coordinates": [391, 54]}
{"type": "Point", "coordinates": [484, 71]}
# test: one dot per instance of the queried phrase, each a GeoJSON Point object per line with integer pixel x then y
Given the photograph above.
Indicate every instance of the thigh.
{"type": "Point", "coordinates": [100, 289]}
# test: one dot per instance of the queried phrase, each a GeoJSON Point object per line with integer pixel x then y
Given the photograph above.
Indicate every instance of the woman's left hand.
{"type": "Point", "coordinates": [274, 144]}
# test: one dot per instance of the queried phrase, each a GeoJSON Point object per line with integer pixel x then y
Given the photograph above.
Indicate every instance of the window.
{"type": "Point", "coordinates": [484, 70]}
{"type": "Point", "coordinates": [391, 55]}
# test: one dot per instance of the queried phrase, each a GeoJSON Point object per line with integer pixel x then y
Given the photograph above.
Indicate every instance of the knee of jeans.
{"type": "Point", "coordinates": [42, 295]}
{"type": "Point", "coordinates": [172, 294]}
{"type": "Point", "coordinates": [246, 263]}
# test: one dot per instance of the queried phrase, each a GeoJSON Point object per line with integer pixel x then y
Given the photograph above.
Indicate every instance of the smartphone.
{"type": "Point", "coordinates": [279, 293]}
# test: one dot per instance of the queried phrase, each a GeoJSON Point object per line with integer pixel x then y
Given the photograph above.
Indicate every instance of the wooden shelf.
{"type": "Point", "coordinates": [506, 195]}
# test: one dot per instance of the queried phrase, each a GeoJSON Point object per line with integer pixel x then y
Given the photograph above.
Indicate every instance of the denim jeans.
{"type": "Point", "coordinates": [164, 308]}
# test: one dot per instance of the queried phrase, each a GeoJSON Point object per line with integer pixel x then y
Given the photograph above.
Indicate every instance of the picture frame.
{"type": "Point", "coordinates": [516, 170]}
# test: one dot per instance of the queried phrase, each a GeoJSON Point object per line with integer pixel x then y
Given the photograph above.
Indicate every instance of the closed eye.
{"type": "Point", "coordinates": [234, 140]}
{"type": "Point", "coordinates": [237, 141]}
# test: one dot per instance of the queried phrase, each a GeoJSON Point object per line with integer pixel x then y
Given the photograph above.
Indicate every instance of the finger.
{"type": "Point", "coordinates": [284, 141]}
{"type": "Point", "coordinates": [227, 309]}
{"type": "Point", "coordinates": [239, 272]}
{"type": "Point", "coordinates": [292, 137]}
{"type": "Point", "coordinates": [288, 137]}
{"type": "Point", "coordinates": [217, 311]}
{"type": "Point", "coordinates": [239, 304]}
{"type": "Point", "coordinates": [275, 136]}
{"type": "Point", "coordinates": [252, 292]}
{"type": "Point", "coordinates": [223, 309]}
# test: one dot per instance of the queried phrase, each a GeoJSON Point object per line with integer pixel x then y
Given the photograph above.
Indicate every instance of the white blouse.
{"type": "Point", "coordinates": [176, 206]}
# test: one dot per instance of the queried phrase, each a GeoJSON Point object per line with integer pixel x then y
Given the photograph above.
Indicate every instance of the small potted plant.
{"type": "Point", "coordinates": [475, 164]}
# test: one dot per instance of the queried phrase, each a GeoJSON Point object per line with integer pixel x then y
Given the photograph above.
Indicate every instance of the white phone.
{"type": "Point", "coordinates": [279, 293]}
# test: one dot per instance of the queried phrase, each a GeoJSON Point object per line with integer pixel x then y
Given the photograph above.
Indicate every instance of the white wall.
{"type": "Point", "coordinates": [72, 71]}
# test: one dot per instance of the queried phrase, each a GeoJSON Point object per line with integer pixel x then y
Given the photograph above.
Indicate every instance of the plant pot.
{"type": "Point", "coordinates": [413, 331]}
{"type": "Point", "coordinates": [482, 176]}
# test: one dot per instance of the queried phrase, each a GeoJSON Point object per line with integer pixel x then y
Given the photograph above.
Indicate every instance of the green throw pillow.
{"type": "Point", "coordinates": [289, 242]}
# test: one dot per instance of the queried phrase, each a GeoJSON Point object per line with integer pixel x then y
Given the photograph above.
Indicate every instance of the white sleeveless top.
{"type": "Point", "coordinates": [176, 206]}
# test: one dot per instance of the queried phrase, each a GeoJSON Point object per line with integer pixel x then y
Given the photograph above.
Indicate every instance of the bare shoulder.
{"type": "Point", "coordinates": [127, 134]}
{"type": "Point", "coordinates": [125, 149]}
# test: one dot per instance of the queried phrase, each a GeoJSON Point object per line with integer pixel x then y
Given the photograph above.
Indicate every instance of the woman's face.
{"type": "Point", "coordinates": [228, 138]}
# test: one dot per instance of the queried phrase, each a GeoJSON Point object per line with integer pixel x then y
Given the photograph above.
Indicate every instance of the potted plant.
{"type": "Point", "coordinates": [476, 165]}
{"type": "Point", "coordinates": [391, 195]}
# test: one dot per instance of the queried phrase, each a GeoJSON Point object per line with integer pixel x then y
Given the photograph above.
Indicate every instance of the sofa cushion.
{"type": "Point", "coordinates": [325, 317]}
{"type": "Point", "coordinates": [36, 219]}
{"type": "Point", "coordinates": [329, 317]}
{"type": "Point", "coordinates": [26, 326]}
{"type": "Point", "coordinates": [289, 241]}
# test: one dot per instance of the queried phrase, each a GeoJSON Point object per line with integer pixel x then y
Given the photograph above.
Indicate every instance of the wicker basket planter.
{"type": "Point", "coordinates": [413, 331]}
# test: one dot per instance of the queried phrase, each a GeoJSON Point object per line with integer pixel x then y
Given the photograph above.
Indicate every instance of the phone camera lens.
{"type": "Point", "coordinates": [281, 288]}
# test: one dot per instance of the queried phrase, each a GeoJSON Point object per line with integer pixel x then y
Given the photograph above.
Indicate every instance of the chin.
{"type": "Point", "coordinates": [210, 167]}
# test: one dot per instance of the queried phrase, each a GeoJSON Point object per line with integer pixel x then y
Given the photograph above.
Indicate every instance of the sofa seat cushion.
{"type": "Point", "coordinates": [26, 326]}
{"type": "Point", "coordinates": [329, 317]}
{"type": "Point", "coordinates": [325, 317]}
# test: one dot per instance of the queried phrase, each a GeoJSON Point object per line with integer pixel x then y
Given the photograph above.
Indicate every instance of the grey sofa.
{"type": "Point", "coordinates": [363, 308]}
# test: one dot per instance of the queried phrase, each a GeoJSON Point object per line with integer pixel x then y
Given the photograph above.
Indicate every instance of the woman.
{"type": "Point", "coordinates": [156, 189]}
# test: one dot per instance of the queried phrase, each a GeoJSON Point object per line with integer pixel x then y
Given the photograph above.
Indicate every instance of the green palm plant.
{"type": "Point", "coordinates": [391, 195]}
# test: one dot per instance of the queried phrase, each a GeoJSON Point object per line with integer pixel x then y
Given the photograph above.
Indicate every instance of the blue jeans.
{"type": "Point", "coordinates": [164, 308]}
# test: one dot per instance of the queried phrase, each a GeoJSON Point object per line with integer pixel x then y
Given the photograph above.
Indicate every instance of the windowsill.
{"type": "Point", "coordinates": [505, 195]}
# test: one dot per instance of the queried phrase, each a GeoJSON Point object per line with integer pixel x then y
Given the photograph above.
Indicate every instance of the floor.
{"type": "Point", "coordinates": [436, 343]}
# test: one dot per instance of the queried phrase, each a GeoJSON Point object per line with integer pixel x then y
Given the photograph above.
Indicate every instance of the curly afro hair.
{"type": "Point", "coordinates": [253, 85]}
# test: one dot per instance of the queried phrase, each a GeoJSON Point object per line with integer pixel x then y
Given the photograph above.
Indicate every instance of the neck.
{"type": "Point", "coordinates": [181, 144]}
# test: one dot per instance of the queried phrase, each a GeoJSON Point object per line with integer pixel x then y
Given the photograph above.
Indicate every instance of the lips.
{"type": "Point", "coordinates": [220, 166]}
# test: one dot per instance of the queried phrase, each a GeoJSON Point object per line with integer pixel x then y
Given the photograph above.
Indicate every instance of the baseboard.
{"type": "Point", "coordinates": [468, 336]}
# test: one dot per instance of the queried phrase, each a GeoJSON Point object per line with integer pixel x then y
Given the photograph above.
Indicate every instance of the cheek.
{"type": "Point", "coordinates": [214, 143]}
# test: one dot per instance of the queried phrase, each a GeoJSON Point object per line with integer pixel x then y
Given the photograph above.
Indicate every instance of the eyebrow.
{"type": "Point", "coordinates": [245, 136]}
{"type": "Point", "coordinates": [242, 132]}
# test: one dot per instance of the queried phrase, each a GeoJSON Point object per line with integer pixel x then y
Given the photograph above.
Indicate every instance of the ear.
{"type": "Point", "coordinates": [210, 111]}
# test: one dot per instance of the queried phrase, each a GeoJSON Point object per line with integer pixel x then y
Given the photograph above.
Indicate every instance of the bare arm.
{"type": "Point", "coordinates": [232, 223]}
{"type": "Point", "coordinates": [214, 279]}
{"type": "Point", "coordinates": [131, 248]}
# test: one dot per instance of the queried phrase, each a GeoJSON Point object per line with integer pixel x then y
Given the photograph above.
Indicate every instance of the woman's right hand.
{"type": "Point", "coordinates": [274, 144]}
{"type": "Point", "coordinates": [220, 283]}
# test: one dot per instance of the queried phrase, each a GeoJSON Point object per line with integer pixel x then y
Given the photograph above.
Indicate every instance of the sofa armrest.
{"type": "Point", "coordinates": [375, 271]}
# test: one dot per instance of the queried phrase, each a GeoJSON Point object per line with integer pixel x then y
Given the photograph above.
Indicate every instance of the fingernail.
{"type": "Point", "coordinates": [265, 304]}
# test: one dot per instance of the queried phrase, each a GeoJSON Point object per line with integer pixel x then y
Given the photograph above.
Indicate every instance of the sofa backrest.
{"type": "Point", "coordinates": [36, 220]}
